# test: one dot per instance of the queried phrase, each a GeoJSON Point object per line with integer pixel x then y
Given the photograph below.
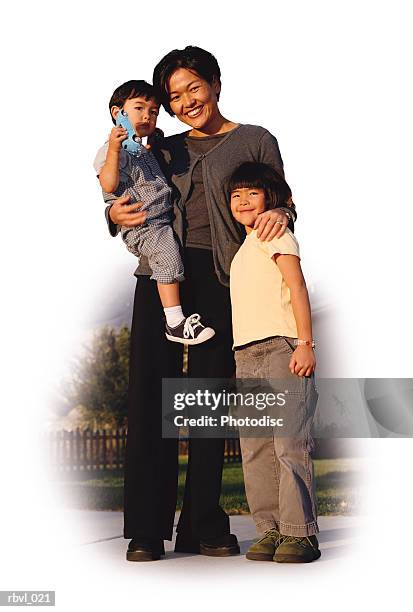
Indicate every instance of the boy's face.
{"type": "Point", "coordinates": [142, 114]}
{"type": "Point", "coordinates": [247, 203]}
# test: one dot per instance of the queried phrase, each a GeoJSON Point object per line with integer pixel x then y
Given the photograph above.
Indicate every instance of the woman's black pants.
{"type": "Point", "coordinates": [151, 467]}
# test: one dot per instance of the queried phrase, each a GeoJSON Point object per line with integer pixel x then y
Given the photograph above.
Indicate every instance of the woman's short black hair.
{"type": "Point", "coordinates": [192, 58]}
{"type": "Point", "coordinates": [261, 176]}
{"type": "Point", "coordinates": [129, 90]}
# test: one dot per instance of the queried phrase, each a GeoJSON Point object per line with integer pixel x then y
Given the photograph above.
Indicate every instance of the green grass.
{"type": "Point", "coordinates": [338, 485]}
{"type": "Point", "coordinates": [338, 482]}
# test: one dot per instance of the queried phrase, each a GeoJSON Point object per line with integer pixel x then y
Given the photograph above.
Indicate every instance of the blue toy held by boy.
{"type": "Point", "coordinates": [133, 144]}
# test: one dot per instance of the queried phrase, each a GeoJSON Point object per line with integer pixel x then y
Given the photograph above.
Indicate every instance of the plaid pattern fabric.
{"type": "Point", "coordinates": [142, 179]}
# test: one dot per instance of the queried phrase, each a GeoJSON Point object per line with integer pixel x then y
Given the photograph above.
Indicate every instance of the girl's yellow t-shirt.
{"type": "Point", "coordinates": [260, 298]}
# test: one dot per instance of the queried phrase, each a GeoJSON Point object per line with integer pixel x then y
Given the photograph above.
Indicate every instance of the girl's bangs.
{"type": "Point", "coordinates": [246, 182]}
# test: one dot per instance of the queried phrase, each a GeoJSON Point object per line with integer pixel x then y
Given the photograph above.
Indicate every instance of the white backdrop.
{"type": "Point", "coordinates": [332, 80]}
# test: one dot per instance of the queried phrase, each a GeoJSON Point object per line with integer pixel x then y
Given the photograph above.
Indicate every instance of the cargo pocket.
{"type": "Point", "coordinates": [289, 343]}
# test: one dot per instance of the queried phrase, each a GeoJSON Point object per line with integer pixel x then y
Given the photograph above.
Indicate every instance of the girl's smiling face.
{"type": "Point", "coordinates": [247, 203]}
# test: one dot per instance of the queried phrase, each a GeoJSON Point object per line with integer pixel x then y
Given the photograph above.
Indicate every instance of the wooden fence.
{"type": "Point", "coordinates": [104, 449]}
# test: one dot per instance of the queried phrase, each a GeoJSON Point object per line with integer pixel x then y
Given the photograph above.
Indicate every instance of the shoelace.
{"type": "Point", "coordinates": [191, 324]}
{"type": "Point", "coordinates": [272, 533]}
{"type": "Point", "coordinates": [295, 540]}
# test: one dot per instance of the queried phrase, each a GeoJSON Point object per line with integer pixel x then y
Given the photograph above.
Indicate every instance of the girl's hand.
{"type": "Point", "coordinates": [302, 361]}
{"type": "Point", "coordinates": [271, 224]}
{"type": "Point", "coordinates": [117, 135]}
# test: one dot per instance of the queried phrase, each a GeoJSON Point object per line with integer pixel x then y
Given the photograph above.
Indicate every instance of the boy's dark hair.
{"type": "Point", "coordinates": [129, 90]}
{"type": "Point", "coordinates": [192, 58]}
{"type": "Point", "coordinates": [261, 176]}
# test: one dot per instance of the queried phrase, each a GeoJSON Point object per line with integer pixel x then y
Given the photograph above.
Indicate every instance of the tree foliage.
{"type": "Point", "coordinates": [99, 384]}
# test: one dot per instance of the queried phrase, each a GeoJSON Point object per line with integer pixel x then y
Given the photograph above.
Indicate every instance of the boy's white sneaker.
{"type": "Point", "coordinates": [189, 331]}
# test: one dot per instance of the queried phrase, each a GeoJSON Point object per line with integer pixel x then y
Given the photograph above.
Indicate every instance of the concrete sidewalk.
{"type": "Point", "coordinates": [99, 534]}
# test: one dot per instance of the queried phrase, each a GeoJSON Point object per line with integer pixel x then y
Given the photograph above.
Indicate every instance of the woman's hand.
{"type": "Point", "coordinates": [271, 224]}
{"type": "Point", "coordinates": [128, 215]}
{"type": "Point", "coordinates": [302, 361]}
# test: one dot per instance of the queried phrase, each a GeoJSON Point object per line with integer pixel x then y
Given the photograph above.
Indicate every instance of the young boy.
{"type": "Point", "coordinates": [273, 340]}
{"type": "Point", "coordinates": [139, 176]}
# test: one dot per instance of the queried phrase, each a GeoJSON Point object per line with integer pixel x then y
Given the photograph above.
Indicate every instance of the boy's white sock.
{"type": "Point", "coordinates": [174, 315]}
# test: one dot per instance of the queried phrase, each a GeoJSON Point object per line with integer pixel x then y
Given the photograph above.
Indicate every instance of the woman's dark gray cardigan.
{"type": "Point", "coordinates": [244, 143]}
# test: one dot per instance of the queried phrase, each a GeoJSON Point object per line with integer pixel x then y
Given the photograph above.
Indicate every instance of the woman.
{"type": "Point", "coordinates": [197, 164]}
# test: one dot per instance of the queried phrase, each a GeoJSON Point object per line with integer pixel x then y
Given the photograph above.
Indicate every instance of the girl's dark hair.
{"type": "Point", "coordinates": [192, 58]}
{"type": "Point", "coordinates": [129, 90]}
{"type": "Point", "coordinates": [261, 176]}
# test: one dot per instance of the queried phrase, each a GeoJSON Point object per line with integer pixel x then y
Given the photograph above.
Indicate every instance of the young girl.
{"type": "Point", "coordinates": [273, 340]}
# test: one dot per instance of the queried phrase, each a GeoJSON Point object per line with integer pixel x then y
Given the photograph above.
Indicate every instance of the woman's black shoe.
{"type": "Point", "coordinates": [223, 546]}
{"type": "Point", "coordinates": [145, 549]}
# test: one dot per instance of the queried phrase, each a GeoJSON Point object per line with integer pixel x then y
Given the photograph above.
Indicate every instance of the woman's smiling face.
{"type": "Point", "coordinates": [192, 99]}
